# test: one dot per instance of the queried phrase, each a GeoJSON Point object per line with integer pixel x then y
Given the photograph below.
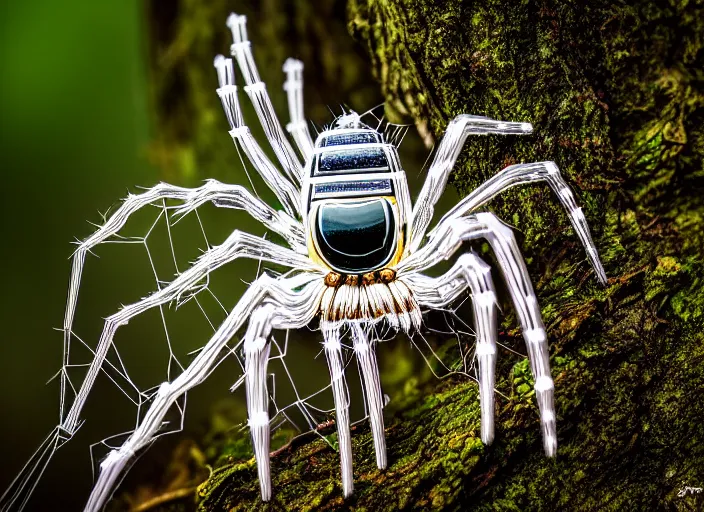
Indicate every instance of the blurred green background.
{"type": "Point", "coordinates": [97, 98]}
{"type": "Point", "coordinates": [74, 130]}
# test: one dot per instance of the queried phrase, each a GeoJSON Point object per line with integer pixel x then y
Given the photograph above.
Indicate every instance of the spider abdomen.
{"type": "Point", "coordinates": [357, 236]}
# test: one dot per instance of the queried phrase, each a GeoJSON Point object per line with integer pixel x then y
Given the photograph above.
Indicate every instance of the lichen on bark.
{"type": "Point", "coordinates": [615, 94]}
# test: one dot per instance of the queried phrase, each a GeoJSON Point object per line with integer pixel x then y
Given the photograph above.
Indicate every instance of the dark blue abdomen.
{"type": "Point", "coordinates": [356, 236]}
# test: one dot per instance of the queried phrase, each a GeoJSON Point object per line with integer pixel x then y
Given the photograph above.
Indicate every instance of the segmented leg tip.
{"type": "Point", "coordinates": [292, 64]}
{"type": "Point", "coordinates": [601, 276]}
{"type": "Point", "coordinates": [234, 19]}
{"type": "Point", "coordinates": [550, 445]}
{"type": "Point", "coordinates": [265, 488]}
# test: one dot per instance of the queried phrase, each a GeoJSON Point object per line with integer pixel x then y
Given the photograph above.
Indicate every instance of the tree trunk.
{"type": "Point", "coordinates": [615, 94]}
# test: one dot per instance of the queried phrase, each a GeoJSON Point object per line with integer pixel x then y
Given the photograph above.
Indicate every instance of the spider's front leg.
{"type": "Point", "coordinates": [446, 155]}
{"type": "Point", "coordinates": [229, 196]}
{"type": "Point", "coordinates": [437, 293]}
{"type": "Point", "coordinates": [523, 174]}
{"type": "Point", "coordinates": [256, 89]}
{"type": "Point", "coordinates": [444, 240]}
{"type": "Point", "coordinates": [298, 128]}
{"type": "Point", "coordinates": [238, 245]}
{"type": "Point", "coordinates": [222, 195]}
{"type": "Point", "coordinates": [272, 303]}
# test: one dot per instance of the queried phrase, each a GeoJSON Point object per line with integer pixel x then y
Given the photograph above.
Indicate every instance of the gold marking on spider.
{"type": "Point", "coordinates": [332, 279]}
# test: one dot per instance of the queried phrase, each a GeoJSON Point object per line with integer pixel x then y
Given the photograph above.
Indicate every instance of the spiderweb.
{"type": "Point", "coordinates": [156, 346]}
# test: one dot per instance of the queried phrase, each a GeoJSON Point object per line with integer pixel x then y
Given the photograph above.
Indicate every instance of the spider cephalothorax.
{"type": "Point", "coordinates": [357, 249]}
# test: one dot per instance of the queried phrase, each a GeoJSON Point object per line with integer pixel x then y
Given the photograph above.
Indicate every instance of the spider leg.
{"type": "Point", "coordinates": [231, 196]}
{"type": "Point", "coordinates": [522, 174]}
{"type": "Point", "coordinates": [446, 155]}
{"type": "Point", "coordinates": [336, 364]}
{"type": "Point", "coordinates": [364, 350]}
{"type": "Point", "coordinates": [256, 356]}
{"type": "Point", "coordinates": [237, 197]}
{"type": "Point", "coordinates": [237, 245]}
{"type": "Point", "coordinates": [435, 293]}
{"type": "Point", "coordinates": [444, 240]}
{"type": "Point", "coordinates": [298, 128]}
{"type": "Point", "coordinates": [284, 308]}
{"type": "Point", "coordinates": [241, 49]}
{"type": "Point", "coordinates": [285, 188]}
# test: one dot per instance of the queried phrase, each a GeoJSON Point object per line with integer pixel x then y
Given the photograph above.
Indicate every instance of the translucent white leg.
{"type": "Point", "coordinates": [256, 89]}
{"type": "Point", "coordinates": [293, 310]}
{"type": "Point", "coordinates": [522, 174]}
{"type": "Point", "coordinates": [333, 352]}
{"type": "Point", "coordinates": [366, 358]}
{"type": "Point", "coordinates": [224, 195]}
{"type": "Point", "coordinates": [445, 157]}
{"type": "Point", "coordinates": [444, 240]}
{"type": "Point", "coordinates": [256, 356]}
{"type": "Point", "coordinates": [285, 188]}
{"type": "Point", "coordinates": [435, 293]}
{"type": "Point", "coordinates": [298, 128]}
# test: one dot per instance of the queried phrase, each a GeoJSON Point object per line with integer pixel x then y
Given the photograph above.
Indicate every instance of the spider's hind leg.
{"type": "Point", "coordinates": [284, 309]}
{"type": "Point", "coordinates": [436, 293]}
{"type": "Point", "coordinates": [445, 239]}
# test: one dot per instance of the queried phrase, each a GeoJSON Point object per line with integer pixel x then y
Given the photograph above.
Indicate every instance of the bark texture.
{"type": "Point", "coordinates": [615, 92]}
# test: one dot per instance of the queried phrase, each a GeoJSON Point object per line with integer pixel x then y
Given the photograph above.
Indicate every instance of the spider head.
{"type": "Point", "coordinates": [350, 119]}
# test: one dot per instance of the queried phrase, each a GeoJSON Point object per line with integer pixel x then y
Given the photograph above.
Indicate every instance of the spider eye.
{"type": "Point", "coordinates": [356, 236]}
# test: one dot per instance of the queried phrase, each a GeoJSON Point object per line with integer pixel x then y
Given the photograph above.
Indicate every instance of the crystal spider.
{"type": "Point", "coordinates": [358, 248]}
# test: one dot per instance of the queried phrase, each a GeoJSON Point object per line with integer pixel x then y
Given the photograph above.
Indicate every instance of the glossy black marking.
{"type": "Point", "coordinates": [352, 160]}
{"type": "Point", "coordinates": [347, 187]}
{"type": "Point", "coordinates": [342, 139]}
{"type": "Point", "coordinates": [356, 236]}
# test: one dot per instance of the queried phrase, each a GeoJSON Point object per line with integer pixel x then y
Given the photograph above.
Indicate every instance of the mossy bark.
{"type": "Point", "coordinates": [616, 96]}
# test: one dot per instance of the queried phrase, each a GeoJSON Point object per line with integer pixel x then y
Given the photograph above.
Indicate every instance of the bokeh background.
{"type": "Point", "coordinates": [96, 99]}
{"type": "Point", "coordinates": [74, 132]}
